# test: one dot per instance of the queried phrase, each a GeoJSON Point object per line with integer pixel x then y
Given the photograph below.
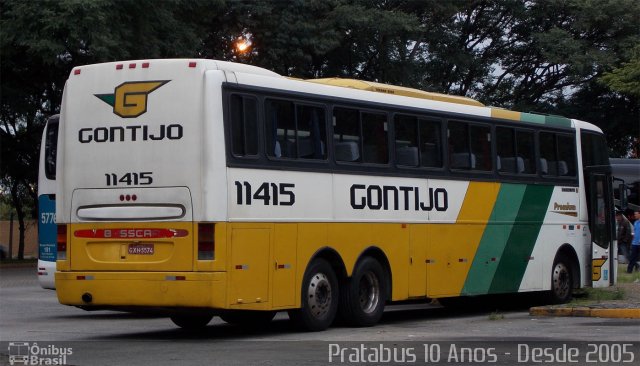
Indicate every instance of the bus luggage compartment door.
{"type": "Point", "coordinates": [133, 229]}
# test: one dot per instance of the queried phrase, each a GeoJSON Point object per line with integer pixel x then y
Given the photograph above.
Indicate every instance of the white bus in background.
{"type": "Point", "coordinates": [47, 204]}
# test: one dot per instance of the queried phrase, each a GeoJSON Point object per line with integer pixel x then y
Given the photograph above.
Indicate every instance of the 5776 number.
{"type": "Point", "coordinates": [276, 194]}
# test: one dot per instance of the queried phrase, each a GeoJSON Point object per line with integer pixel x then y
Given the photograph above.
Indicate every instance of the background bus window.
{"type": "Point", "coordinates": [244, 125]}
{"type": "Point", "coordinates": [50, 148]}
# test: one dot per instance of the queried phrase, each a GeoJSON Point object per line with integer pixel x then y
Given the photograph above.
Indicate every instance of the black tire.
{"type": "Point", "coordinates": [363, 296]}
{"type": "Point", "coordinates": [561, 280]}
{"type": "Point", "coordinates": [248, 318]}
{"type": "Point", "coordinates": [320, 296]}
{"type": "Point", "coordinates": [191, 321]}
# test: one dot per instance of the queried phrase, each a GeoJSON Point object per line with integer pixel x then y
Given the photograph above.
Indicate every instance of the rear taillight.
{"type": "Point", "coordinates": [62, 242]}
{"type": "Point", "coordinates": [206, 242]}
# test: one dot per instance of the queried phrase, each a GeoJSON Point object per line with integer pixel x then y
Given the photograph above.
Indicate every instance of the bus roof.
{"type": "Point", "coordinates": [395, 90]}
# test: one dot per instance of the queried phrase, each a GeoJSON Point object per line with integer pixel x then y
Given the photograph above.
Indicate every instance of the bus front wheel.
{"type": "Point", "coordinates": [319, 297]}
{"type": "Point", "coordinates": [561, 280]}
{"type": "Point", "coordinates": [363, 295]}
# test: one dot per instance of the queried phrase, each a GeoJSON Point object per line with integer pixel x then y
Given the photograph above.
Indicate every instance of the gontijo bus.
{"type": "Point", "coordinates": [47, 204]}
{"type": "Point", "coordinates": [212, 188]}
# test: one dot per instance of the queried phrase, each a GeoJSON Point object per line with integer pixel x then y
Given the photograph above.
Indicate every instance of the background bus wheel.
{"type": "Point", "coordinates": [191, 321]}
{"type": "Point", "coordinates": [363, 296]}
{"type": "Point", "coordinates": [561, 280]}
{"type": "Point", "coordinates": [319, 297]}
{"type": "Point", "coordinates": [248, 318]}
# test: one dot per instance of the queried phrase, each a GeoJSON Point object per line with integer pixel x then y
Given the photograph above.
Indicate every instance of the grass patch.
{"type": "Point", "coordinates": [496, 316]}
{"type": "Point", "coordinates": [624, 277]}
{"type": "Point", "coordinates": [590, 295]}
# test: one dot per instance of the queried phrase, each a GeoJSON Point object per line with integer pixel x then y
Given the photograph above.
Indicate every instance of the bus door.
{"type": "Point", "coordinates": [601, 221]}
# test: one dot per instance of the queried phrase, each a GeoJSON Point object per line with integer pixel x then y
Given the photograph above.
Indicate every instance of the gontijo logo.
{"type": "Point", "coordinates": [129, 99]}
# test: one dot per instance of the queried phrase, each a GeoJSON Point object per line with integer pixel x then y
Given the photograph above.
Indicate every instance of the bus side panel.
{"type": "Point", "coordinates": [452, 247]}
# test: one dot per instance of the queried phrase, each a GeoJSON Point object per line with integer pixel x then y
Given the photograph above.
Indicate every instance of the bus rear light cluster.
{"type": "Point", "coordinates": [62, 242]}
{"type": "Point", "coordinates": [206, 241]}
{"type": "Point", "coordinates": [128, 197]}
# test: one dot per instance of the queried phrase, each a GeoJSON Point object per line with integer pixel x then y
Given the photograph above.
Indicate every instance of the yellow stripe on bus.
{"type": "Point", "coordinates": [505, 114]}
{"type": "Point", "coordinates": [452, 247]}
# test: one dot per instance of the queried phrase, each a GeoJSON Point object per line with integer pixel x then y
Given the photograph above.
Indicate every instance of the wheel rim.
{"type": "Point", "coordinates": [561, 280]}
{"type": "Point", "coordinates": [320, 295]}
{"type": "Point", "coordinates": [369, 292]}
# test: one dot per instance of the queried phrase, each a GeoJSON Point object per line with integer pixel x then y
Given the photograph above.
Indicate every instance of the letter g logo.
{"type": "Point", "coordinates": [130, 98]}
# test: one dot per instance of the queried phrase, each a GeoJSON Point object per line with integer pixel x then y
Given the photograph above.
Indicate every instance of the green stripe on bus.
{"type": "Point", "coordinates": [557, 121]}
{"type": "Point", "coordinates": [494, 239]}
{"type": "Point", "coordinates": [522, 239]}
{"type": "Point", "coordinates": [533, 118]}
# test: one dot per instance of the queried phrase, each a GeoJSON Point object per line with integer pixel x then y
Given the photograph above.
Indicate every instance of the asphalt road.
{"type": "Point", "coordinates": [34, 324]}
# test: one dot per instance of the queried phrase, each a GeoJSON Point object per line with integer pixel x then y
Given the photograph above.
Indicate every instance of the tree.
{"type": "Point", "coordinates": [41, 41]}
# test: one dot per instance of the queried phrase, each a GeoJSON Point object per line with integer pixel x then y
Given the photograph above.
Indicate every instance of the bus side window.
{"type": "Point", "coordinates": [244, 125]}
{"type": "Point", "coordinates": [480, 137]}
{"type": "Point", "coordinates": [566, 156]}
{"type": "Point", "coordinates": [431, 146]}
{"type": "Point", "coordinates": [525, 150]}
{"type": "Point", "coordinates": [312, 134]}
{"type": "Point", "coordinates": [548, 155]}
{"type": "Point", "coordinates": [506, 161]}
{"type": "Point", "coordinates": [459, 155]}
{"type": "Point", "coordinates": [374, 138]}
{"type": "Point", "coordinates": [346, 134]}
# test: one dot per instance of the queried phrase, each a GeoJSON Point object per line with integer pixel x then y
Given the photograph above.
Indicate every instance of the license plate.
{"type": "Point", "coordinates": [141, 249]}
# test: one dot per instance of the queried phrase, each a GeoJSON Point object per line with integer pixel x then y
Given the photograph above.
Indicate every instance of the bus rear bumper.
{"type": "Point", "coordinates": [141, 289]}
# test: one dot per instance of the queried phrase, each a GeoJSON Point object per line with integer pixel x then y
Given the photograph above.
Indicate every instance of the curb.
{"type": "Point", "coordinates": [633, 313]}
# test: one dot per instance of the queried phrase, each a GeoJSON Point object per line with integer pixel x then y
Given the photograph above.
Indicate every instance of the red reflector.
{"type": "Point", "coordinates": [130, 233]}
{"type": "Point", "coordinates": [81, 278]}
{"type": "Point", "coordinates": [76, 72]}
{"type": "Point", "coordinates": [119, 67]}
{"type": "Point", "coordinates": [62, 242]}
{"type": "Point", "coordinates": [132, 66]}
{"type": "Point", "coordinates": [145, 65]}
{"type": "Point", "coordinates": [192, 64]}
{"type": "Point", "coordinates": [180, 278]}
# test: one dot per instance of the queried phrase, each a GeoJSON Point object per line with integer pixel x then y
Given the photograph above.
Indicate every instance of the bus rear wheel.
{"type": "Point", "coordinates": [319, 297]}
{"type": "Point", "coordinates": [561, 280]}
{"type": "Point", "coordinates": [191, 321]}
{"type": "Point", "coordinates": [363, 296]}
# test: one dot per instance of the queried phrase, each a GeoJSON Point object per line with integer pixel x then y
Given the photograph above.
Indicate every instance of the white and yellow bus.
{"type": "Point", "coordinates": [212, 188]}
